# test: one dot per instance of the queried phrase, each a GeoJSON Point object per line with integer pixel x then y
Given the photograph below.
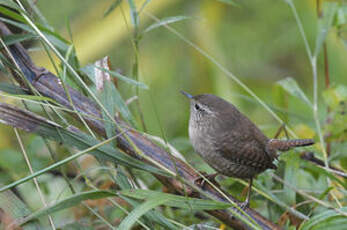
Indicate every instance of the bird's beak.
{"type": "Point", "coordinates": [186, 94]}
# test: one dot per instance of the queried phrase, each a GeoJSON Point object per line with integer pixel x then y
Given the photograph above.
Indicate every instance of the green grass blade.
{"type": "Point", "coordinates": [16, 208]}
{"type": "Point", "coordinates": [177, 201]}
{"type": "Point", "coordinates": [165, 21]}
{"type": "Point", "coordinates": [123, 108]}
{"type": "Point", "coordinates": [11, 89]}
{"type": "Point", "coordinates": [81, 141]}
{"type": "Point", "coordinates": [69, 202]}
{"type": "Point", "coordinates": [292, 87]}
{"type": "Point", "coordinates": [105, 91]}
{"type": "Point", "coordinates": [106, 151]}
{"type": "Point", "coordinates": [20, 22]}
{"type": "Point", "coordinates": [133, 13]}
{"type": "Point", "coordinates": [17, 38]}
{"type": "Point", "coordinates": [112, 7]}
{"type": "Point", "coordinates": [140, 210]}
{"type": "Point", "coordinates": [324, 24]}
{"type": "Point", "coordinates": [124, 78]}
{"type": "Point", "coordinates": [29, 97]}
{"type": "Point", "coordinates": [10, 4]}
{"type": "Point", "coordinates": [327, 220]}
{"type": "Point", "coordinates": [154, 215]}
{"type": "Point", "coordinates": [272, 197]}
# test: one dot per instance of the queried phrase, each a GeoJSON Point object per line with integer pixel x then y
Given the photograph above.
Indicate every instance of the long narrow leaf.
{"type": "Point", "coordinates": [133, 13]}
{"type": "Point", "coordinates": [326, 220]}
{"type": "Point", "coordinates": [113, 6]}
{"type": "Point", "coordinates": [10, 4]}
{"type": "Point", "coordinates": [16, 208]}
{"type": "Point", "coordinates": [29, 97]}
{"type": "Point", "coordinates": [69, 202]}
{"type": "Point", "coordinates": [292, 87]}
{"type": "Point", "coordinates": [124, 78]}
{"type": "Point", "coordinates": [58, 41]}
{"type": "Point", "coordinates": [141, 210]}
{"type": "Point", "coordinates": [30, 122]}
{"type": "Point", "coordinates": [165, 21]}
{"type": "Point", "coordinates": [325, 23]}
{"type": "Point", "coordinates": [177, 201]}
{"type": "Point", "coordinates": [105, 91]}
{"type": "Point", "coordinates": [16, 38]}
{"type": "Point", "coordinates": [11, 89]}
{"type": "Point", "coordinates": [272, 197]}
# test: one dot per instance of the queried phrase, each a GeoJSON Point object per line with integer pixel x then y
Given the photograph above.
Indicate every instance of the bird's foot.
{"type": "Point", "coordinates": [200, 181]}
{"type": "Point", "coordinates": [244, 205]}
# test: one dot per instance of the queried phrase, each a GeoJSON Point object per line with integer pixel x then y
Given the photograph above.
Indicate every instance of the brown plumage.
{"type": "Point", "coordinates": [231, 143]}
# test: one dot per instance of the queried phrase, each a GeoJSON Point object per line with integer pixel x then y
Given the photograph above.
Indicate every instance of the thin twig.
{"type": "Point", "coordinates": [308, 195]}
{"type": "Point", "coordinates": [32, 172]}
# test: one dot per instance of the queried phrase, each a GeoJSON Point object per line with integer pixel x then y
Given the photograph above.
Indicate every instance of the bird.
{"type": "Point", "coordinates": [230, 142]}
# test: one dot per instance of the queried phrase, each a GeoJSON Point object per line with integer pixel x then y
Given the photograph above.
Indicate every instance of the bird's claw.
{"type": "Point", "coordinates": [244, 205]}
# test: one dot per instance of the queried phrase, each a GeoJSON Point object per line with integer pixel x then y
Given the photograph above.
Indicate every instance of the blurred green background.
{"type": "Point", "coordinates": [258, 41]}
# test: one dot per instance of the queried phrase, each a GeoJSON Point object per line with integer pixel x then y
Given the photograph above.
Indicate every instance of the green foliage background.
{"type": "Point", "coordinates": [259, 42]}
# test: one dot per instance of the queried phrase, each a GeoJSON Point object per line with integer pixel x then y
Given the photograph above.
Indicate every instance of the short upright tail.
{"type": "Point", "coordinates": [285, 145]}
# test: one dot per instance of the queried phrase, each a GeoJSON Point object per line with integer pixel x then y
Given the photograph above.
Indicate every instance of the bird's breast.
{"type": "Point", "coordinates": [203, 139]}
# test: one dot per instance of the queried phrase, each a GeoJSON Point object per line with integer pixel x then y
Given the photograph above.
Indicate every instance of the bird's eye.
{"type": "Point", "coordinates": [197, 107]}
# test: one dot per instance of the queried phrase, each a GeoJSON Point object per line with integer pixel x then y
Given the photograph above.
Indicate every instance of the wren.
{"type": "Point", "coordinates": [231, 143]}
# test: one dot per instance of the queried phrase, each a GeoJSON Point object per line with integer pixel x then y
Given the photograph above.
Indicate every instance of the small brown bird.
{"type": "Point", "coordinates": [231, 143]}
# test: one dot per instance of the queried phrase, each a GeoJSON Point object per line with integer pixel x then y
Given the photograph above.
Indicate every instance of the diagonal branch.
{"type": "Point", "coordinates": [48, 85]}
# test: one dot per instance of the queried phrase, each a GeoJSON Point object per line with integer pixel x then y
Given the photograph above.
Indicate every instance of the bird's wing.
{"type": "Point", "coordinates": [246, 146]}
{"type": "Point", "coordinates": [249, 153]}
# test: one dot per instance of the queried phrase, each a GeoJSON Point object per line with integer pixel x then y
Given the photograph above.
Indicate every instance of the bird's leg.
{"type": "Point", "coordinates": [245, 204]}
{"type": "Point", "coordinates": [201, 180]}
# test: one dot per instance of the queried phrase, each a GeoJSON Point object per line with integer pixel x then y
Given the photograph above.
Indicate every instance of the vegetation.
{"type": "Point", "coordinates": [279, 62]}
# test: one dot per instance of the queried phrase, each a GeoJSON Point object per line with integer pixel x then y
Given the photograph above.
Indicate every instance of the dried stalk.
{"type": "Point", "coordinates": [48, 85]}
